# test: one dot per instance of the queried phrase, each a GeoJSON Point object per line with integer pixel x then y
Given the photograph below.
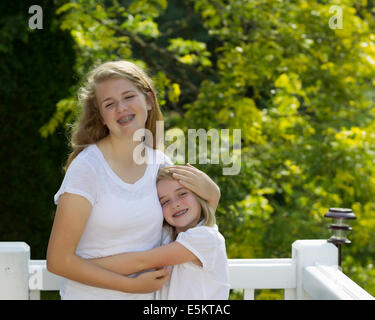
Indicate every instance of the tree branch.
{"type": "Point", "coordinates": [173, 61]}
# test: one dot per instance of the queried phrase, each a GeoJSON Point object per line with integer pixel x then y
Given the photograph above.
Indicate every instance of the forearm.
{"type": "Point", "coordinates": [123, 263]}
{"type": "Point", "coordinates": [131, 262]}
{"type": "Point", "coordinates": [78, 269]}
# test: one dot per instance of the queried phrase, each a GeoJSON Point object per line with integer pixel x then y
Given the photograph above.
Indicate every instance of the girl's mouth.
{"type": "Point", "coordinates": [180, 213]}
{"type": "Point", "coordinates": [126, 119]}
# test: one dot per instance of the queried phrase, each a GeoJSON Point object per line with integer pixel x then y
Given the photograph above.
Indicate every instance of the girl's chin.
{"type": "Point", "coordinates": [122, 132]}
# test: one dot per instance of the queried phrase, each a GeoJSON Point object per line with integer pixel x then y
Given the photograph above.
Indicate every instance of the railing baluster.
{"type": "Point", "coordinates": [34, 295]}
{"type": "Point", "coordinates": [14, 270]}
{"type": "Point", "coordinates": [290, 294]}
{"type": "Point", "coordinates": [248, 294]}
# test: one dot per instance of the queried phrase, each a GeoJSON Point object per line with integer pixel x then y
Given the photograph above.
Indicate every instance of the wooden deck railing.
{"type": "Point", "coordinates": [311, 273]}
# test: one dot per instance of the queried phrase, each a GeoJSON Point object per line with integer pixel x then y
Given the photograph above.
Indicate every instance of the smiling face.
{"type": "Point", "coordinates": [122, 105]}
{"type": "Point", "coordinates": [181, 208]}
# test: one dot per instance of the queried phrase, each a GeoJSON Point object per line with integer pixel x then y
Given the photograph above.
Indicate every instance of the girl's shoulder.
{"type": "Point", "coordinates": [91, 153]}
{"type": "Point", "coordinates": [88, 159]}
{"type": "Point", "coordinates": [202, 233]}
{"type": "Point", "coordinates": [80, 178]}
{"type": "Point", "coordinates": [206, 243]}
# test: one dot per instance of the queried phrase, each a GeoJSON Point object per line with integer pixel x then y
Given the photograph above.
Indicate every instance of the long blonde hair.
{"type": "Point", "coordinates": [89, 128]}
{"type": "Point", "coordinates": [207, 213]}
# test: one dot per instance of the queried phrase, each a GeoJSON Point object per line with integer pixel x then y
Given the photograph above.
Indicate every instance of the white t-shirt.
{"type": "Point", "coordinates": [189, 281]}
{"type": "Point", "coordinates": [125, 217]}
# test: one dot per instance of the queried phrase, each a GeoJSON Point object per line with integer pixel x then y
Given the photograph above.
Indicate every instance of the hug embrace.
{"type": "Point", "coordinates": [130, 230]}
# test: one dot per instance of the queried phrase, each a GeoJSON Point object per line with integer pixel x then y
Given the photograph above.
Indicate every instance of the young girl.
{"type": "Point", "coordinates": [197, 251]}
{"type": "Point", "coordinates": [107, 203]}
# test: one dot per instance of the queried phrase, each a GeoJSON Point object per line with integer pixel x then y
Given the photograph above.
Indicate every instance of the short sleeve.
{"type": "Point", "coordinates": [203, 242]}
{"type": "Point", "coordinates": [80, 178]}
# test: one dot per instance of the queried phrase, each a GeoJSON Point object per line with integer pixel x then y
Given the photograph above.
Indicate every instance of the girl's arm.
{"type": "Point", "coordinates": [131, 262]}
{"type": "Point", "coordinates": [198, 182]}
{"type": "Point", "coordinates": [71, 217]}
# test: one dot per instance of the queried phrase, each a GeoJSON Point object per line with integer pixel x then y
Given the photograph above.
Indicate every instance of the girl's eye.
{"type": "Point", "coordinates": [129, 97]}
{"type": "Point", "coordinates": [165, 202]}
{"type": "Point", "coordinates": [109, 105]}
{"type": "Point", "coordinates": [183, 193]}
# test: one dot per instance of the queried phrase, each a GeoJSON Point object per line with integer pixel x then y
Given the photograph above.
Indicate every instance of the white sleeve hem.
{"type": "Point", "coordinates": [205, 263]}
{"type": "Point", "coordinates": [75, 191]}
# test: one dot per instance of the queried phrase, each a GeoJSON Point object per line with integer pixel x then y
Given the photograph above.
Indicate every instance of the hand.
{"type": "Point", "coordinates": [198, 182]}
{"type": "Point", "coordinates": [151, 281]}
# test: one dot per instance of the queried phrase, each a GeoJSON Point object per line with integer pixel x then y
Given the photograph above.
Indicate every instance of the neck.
{"type": "Point", "coordinates": [192, 225]}
{"type": "Point", "coordinates": [183, 229]}
{"type": "Point", "coordinates": [121, 150]}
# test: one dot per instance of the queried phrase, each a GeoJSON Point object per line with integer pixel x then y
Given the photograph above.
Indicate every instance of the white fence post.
{"type": "Point", "coordinates": [14, 271]}
{"type": "Point", "coordinates": [307, 253]}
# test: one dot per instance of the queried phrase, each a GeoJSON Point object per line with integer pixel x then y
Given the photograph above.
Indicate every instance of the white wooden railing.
{"type": "Point", "coordinates": [311, 273]}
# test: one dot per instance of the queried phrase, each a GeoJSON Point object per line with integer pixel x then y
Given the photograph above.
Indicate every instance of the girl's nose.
{"type": "Point", "coordinates": [176, 203]}
{"type": "Point", "coordinates": [121, 105]}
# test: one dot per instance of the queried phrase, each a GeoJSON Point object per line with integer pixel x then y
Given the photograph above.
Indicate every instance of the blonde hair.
{"type": "Point", "coordinates": [207, 213]}
{"type": "Point", "coordinates": [89, 128]}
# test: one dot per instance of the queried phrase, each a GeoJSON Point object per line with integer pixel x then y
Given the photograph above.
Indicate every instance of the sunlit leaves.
{"type": "Point", "coordinates": [141, 25]}
{"type": "Point", "coordinates": [64, 107]}
{"type": "Point", "coordinates": [174, 92]}
{"type": "Point", "coordinates": [301, 93]}
{"type": "Point", "coordinates": [190, 51]}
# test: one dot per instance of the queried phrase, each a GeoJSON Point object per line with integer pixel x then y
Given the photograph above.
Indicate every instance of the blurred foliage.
{"type": "Point", "coordinates": [301, 93]}
{"type": "Point", "coordinates": [35, 73]}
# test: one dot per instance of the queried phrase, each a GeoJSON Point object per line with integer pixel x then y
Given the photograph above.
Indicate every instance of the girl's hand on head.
{"type": "Point", "coordinates": [198, 182]}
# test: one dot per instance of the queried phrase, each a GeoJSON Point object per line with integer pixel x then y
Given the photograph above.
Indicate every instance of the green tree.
{"type": "Point", "coordinates": [35, 73]}
{"type": "Point", "coordinates": [301, 93]}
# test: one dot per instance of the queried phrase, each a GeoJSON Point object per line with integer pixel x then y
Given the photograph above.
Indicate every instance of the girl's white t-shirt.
{"type": "Point", "coordinates": [189, 281]}
{"type": "Point", "coordinates": [125, 217]}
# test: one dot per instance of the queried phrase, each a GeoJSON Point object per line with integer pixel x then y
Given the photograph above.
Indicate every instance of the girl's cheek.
{"type": "Point", "coordinates": [165, 213]}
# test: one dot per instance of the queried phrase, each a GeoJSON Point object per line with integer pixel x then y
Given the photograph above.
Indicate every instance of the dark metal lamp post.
{"type": "Point", "coordinates": [340, 227]}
